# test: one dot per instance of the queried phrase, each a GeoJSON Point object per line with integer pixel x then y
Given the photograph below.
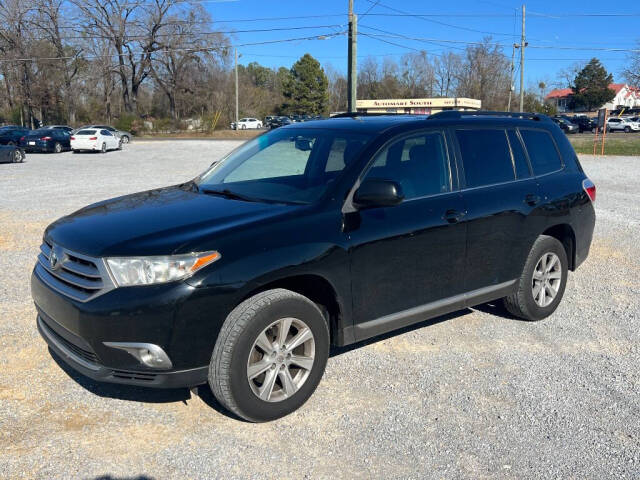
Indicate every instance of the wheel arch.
{"type": "Point", "coordinates": [317, 289]}
{"type": "Point", "coordinates": [564, 233]}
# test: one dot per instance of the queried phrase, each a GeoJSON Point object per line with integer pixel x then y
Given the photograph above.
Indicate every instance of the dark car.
{"type": "Point", "coordinates": [53, 140]}
{"type": "Point", "coordinates": [66, 128]}
{"type": "Point", "coordinates": [11, 154]}
{"type": "Point", "coordinates": [585, 124]}
{"type": "Point", "coordinates": [11, 134]}
{"type": "Point", "coordinates": [565, 125]}
{"type": "Point", "coordinates": [280, 122]}
{"type": "Point", "coordinates": [312, 235]}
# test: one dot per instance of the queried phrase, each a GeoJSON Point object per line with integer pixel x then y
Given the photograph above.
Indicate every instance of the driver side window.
{"type": "Point", "coordinates": [418, 163]}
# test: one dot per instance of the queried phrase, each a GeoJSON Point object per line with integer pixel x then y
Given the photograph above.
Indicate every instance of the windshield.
{"type": "Point", "coordinates": [86, 132]}
{"type": "Point", "coordinates": [292, 165]}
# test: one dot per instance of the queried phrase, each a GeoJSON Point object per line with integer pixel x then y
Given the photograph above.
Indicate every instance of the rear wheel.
{"type": "Point", "coordinates": [18, 157]}
{"type": "Point", "coordinates": [103, 149]}
{"type": "Point", "coordinates": [542, 283]}
{"type": "Point", "coordinates": [627, 129]}
{"type": "Point", "coordinates": [244, 127]}
{"type": "Point", "coordinates": [270, 355]}
{"type": "Point", "coordinates": [57, 147]}
{"type": "Point", "coordinates": [120, 144]}
{"type": "Point", "coordinates": [125, 139]}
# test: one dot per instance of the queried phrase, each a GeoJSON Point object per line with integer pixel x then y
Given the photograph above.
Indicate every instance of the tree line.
{"type": "Point", "coordinates": [122, 61]}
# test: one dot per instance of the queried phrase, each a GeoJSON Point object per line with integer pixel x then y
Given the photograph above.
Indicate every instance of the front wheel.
{"type": "Point", "coordinates": [270, 355]}
{"type": "Point", "coordinates": [542, 283]}
{"type": "Point", "coordinates": [18, 157]}
{"type": "Point", "coordinates": [125, 139]}
{"type": "Point", "coordinates": [627, 129]}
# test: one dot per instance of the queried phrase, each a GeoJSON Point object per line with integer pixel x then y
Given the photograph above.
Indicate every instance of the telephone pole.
{"type": "Point", "coordinates": [523, 44]}
{"type": "Point", "coordinates": [513, 57]}
{"type": "Point", "coordinates": [352, 76]}
{"type": "Point", "coordinates": [236, 68]}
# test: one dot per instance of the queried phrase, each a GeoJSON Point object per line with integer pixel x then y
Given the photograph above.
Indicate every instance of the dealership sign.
{"type": "Point", "coordinates": [420, 103]}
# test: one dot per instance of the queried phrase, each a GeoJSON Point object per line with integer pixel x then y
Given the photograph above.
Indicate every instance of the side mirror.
{"type": "Point", "coordinates": [303, 144]}
{"type": "Point", "coordinates": [378, 193]}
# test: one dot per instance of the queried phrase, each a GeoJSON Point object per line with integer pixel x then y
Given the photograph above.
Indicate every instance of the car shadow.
{"type": "Point", "coordinates": [170, 395]}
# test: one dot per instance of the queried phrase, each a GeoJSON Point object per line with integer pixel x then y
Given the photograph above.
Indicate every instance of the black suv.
{"type": "Point", "coordinates": [311, 235]}
{"type": "Point", "coordinates": [585, 124]}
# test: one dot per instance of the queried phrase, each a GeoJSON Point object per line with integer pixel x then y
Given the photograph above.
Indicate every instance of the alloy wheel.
{"type": "Point", "coordinates": [547, 278]}
{"type": "Point", "coordinates": [281, 359]}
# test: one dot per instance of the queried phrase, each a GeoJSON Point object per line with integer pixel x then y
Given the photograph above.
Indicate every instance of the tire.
{"type": "Point", "coordinates": [18, 157]}
{"type": "Point", "coordinates": [236, 347]}
{"type": "Point", "coordinates": [57, 148]}
{"type": "Point", "coordinates": [103, 149]}
{"type": "Point", "coordinates": [75, 151]}
{"type": "Point", "coordinates": [125, 139]}
{"type": "Point", "coordinates": [11, 143]}
{"type": "Point", "coordinates": [627, 129]}
{"type": "Point", "coordinates": [243, 127]}
{"type": "Point", "coordinates": [522, 303]}
{"type": "Point", "coordinates": [120, 144]}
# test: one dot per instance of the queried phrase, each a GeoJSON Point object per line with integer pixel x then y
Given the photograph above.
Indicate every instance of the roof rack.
{"type": "Point", "coordinates": [459, 114]}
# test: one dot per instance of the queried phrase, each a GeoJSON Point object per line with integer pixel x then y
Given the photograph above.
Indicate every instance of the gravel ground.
{"type": "Point", "coordinates": [471, 395]}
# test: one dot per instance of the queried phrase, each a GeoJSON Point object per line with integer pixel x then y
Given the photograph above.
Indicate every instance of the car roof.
{"type": "Point", "coordinates": [380, 123]}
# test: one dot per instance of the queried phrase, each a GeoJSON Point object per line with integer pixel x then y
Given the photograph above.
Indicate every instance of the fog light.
{"type": "Point", "coordinates": [148, 354]}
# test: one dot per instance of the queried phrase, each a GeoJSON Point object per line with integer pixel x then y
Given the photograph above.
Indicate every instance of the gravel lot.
{"type": "Point", "coordinates": [471, 395]}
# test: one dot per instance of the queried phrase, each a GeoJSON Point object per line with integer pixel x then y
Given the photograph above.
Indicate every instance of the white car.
{"type": "Point", "coordinates": [95, 140]}
{"type": "Point", "coordinates": [622, 124]}
{"type": "Point", "coordinates": [245, 123]}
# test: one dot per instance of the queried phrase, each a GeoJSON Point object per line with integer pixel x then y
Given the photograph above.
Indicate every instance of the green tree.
{"type": "Point", "coordinates": [306, 88]}
{"type": "Point", "coordinates": [591, 86]}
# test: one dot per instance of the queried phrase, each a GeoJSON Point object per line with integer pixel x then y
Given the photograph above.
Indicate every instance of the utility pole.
{"type": "Point", "coordinates": [523, 44]}
{"type": "Point", "coordinates": [352, 69]}
{"type": "Point", "coordinates": [236, 51]}
{"type": "Point", "coordinates": [513, 57]}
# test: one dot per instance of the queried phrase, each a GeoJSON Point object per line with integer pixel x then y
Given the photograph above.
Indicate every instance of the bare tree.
{"type": "Point", "coordinates": [632, 71]}
{"type": "Point", "coordinates": [446, 71]}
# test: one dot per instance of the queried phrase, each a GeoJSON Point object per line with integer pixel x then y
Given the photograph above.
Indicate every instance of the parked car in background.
{"type": "Point", "coordinates": [247, 123]}
{"type": "Point", "coordinates": [267, 120]}
{"type": "Point", "coordinates": [125, 136]}
{"type": "Point", "coordinates": [66, 128]}
{"type": "Point", "coordinates": [93, 139]}
{"type": "Point", "coordinates": [565, 125]}
{"type": "Point", "coordinates": [616, 124]}
{"type": "Point", "coordinates": [584, 123]}
{"type": "Point", "coordinates": [11, 134]}
{"type": "Point", "coordinates": [48, 139]}
{"type": "Point", "coordinates": [280, 122]}
{"type": "Point", "coordinates": [11, 154]}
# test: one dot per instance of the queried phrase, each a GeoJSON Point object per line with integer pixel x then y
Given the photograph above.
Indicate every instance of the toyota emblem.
{"type": "Point", "coordinates": [53, 260]}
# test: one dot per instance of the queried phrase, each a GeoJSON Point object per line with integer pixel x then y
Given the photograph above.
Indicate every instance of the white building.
{"type": "Point", "coordinates": [626, 96]}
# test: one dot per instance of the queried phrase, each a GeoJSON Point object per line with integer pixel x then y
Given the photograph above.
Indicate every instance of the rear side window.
{"type": "Point", "coordinates": [519, 159]}
{"type": "Point", "coordinates": [485, 156]}
{"type": "Point", "coordinates": [86, 132]}
{"type": "Point", "coordinates": [542, 151]}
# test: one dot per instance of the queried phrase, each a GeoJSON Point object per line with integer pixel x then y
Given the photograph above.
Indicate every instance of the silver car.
{"type": "Point", "coordinates": [123, 135]}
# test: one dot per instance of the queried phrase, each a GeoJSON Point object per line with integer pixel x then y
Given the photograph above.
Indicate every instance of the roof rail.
{"type": "Point", "coordinates": [366, 114]}
{"type": "Point", "coordinates": [469, 113]}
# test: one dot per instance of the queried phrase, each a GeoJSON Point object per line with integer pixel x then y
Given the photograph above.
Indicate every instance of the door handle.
{"type": "Point", "coordinates": [532, 199]}
{"type": "Point", "coordinates": [453, 216]}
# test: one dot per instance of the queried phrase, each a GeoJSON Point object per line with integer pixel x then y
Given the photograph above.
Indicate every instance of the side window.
{"type": "Point", "coordinates": [106, 133]}
{"type": "Point", "coordinates": [519, 159]}
{"type": "Point", "coordinates": [542, 151]}
{"type": "Point", "coordinates": [419, 164]}
{"type": "Point", "coordinates": [485, 156]}
{"type": "Point", "coordinates": [341, 152]}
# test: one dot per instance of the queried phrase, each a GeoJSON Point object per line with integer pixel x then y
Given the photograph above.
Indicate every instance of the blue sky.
{"type": "Point", "coordinates": [559, 33]}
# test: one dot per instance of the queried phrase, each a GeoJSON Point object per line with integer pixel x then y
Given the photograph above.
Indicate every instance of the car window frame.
{"type": "Point", "coordinates": [555, 145]}
{"type": "Point", "coordinates": [462, 175]}
{"type": "Point", "coordinates": [524, 151]}
{"type": "Point", "coordinates": [349, 207]}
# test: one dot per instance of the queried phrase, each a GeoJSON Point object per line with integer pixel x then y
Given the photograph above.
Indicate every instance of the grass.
{"type": "Point", "coordinates": [615, 144]}
{"type": "Point", "coordinates": [217, 135]}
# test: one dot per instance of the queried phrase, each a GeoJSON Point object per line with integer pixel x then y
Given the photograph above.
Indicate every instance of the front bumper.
{"type": "Point", "coordinates": [183, 320]}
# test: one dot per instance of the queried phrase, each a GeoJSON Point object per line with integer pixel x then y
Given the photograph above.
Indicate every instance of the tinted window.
{"type": "Point", "coordinates": [86, 132]}
{"type": "Point", "coordinates": [519, 159]}
{"type": "Point", "coordinates": [420, 164]}
{"type": "Point", "coordinates": [485, 156]}
{"type": "Point", "coordinates": [542, 151]}
{"type": "Point", "coordinates": [106, 133]}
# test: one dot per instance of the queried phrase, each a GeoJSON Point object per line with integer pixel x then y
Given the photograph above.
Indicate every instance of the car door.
{"type": "Point", "coordinates": [109, 139]}
{"type": "Point", "coordinates": [407, 258]}
{"type": "Point", "coordinates": [501, 197]}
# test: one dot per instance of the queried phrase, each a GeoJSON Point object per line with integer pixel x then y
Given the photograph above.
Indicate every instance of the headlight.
{"type": "Point", "coordinates": [128, 271]}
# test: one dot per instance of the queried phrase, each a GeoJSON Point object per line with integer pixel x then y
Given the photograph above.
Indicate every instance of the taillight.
{"type": "Point", "coordinates": [93, 138]}
{"type": "Point", "coordinates": [45, 138]}
{"type": "Point", "coordinates": [22, 139]}
{"type": "Point", "coordinates": [73, 138]}
{"type": "Point", "coordinates": [590, 188]}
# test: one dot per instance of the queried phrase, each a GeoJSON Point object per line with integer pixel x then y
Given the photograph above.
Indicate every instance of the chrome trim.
{"type": "Point", "coordinates": [50, 337]}
{"type": "Point", "coordinates": [71, 277]}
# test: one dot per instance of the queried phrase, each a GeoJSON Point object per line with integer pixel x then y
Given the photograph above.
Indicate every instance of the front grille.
{"type": "Point", "coordinates": [77, 276]}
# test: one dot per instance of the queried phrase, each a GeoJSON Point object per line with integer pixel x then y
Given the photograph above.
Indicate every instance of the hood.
{"type": "Point", "coordinates": [156, 222]}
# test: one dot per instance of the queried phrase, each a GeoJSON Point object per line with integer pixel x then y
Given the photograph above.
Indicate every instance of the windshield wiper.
{"type": "Point", "coordinates": [229, 194]}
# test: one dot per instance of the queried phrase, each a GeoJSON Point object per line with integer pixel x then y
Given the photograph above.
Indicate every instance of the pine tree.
{"type": "Point", "coordinates": [306, 88]}
{"type": "Point", "coordinates": [591, 86]}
